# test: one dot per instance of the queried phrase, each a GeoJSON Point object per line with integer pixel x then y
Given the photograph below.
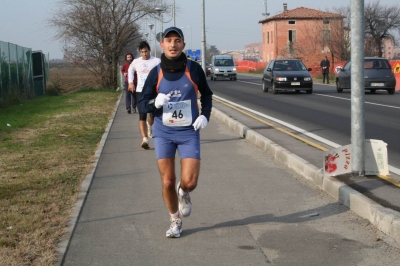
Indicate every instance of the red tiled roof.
{"type": "Point", "coordinates": [302, 13]}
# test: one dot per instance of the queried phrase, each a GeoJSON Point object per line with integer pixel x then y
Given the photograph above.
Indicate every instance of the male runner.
{"type": "Point", "coordinates": [171, 92]}
{"type": "Point", "coordinates": [142, 66]}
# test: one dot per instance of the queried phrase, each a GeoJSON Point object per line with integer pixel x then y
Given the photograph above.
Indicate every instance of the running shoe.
{"type": "Point", "coordinates": [145, 145]}
{"type": "Point", "coordinates": [175, 228]}
{"type": "Point", "coordinates": [128, 111]}
{"type": "Point", "coordinates": [185, 205]}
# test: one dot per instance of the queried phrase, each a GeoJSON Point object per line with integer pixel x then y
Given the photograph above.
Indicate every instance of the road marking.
{"type": "Point", "coordinates": [300, 130]}
{"type": "Point", "coordinates": [378, 104]}
{"type": "Point", "coordinates": [240, 108]}
{"type": "Point", "coordinates": [249, 82]}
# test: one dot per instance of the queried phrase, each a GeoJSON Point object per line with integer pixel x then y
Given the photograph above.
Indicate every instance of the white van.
{"type": "Point", "coordinates": [222, 66]}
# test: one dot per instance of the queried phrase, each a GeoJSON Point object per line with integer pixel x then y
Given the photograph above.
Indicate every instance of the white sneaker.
{"type": "Point", "coordinates": [175, 228]}
{"type": "Point", "coordinates": [145, 145]}
{"type": "Point", "coordinates": [185, 205]}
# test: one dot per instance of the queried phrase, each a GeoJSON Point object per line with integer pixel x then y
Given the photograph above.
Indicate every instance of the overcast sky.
{"type": "Point", "coordinates": [230, 24]}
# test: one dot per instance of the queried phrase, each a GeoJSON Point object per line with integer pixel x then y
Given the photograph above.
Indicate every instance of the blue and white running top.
{"type": "Point", "coordinates": [178, 115]}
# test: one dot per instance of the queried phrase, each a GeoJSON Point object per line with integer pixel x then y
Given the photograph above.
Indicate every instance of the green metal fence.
{"type": "Point", "coordinates": [17, 77]}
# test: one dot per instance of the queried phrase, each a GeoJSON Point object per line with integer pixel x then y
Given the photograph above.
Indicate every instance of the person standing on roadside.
{"type": "Point", "coordinates": [130, 99]}
{"type": "Point", "coordinates": [325, 65]}
{"type": "Point", "coordinates": [171, 92]}
{"type": "Point", "coordinates": [142, 66]}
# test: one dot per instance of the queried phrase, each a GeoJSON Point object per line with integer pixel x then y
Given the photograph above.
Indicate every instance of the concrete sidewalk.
{"type": "Point", "coordinates": [248, 209]}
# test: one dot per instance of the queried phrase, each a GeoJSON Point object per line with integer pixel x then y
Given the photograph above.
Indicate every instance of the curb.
{"type": "Point", "coordinates": [386, 220]}
{"type": "Point", "coordinates": [64, 242]}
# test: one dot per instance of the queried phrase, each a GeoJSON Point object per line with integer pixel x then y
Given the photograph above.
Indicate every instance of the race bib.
{"type": "Point", "coordinates": [177, 114]}
{"type": "Point", "coordinates": [142, 78]}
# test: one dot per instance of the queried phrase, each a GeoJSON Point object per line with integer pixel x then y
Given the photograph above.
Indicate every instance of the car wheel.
{"type": "Point", "coordinates": [309, 91]}
{"type": "Point", "coordinates": [264, 87]}
{"type": "Point", "coordinates": [211, 77]}
{"type": "Point", "coordinates": [372, 91]}
{"type": "Point", "coordinates": [391, 91]}
{"type": "Point", "coordinates": [274, 90]}
{"type": "Point", "coordinates": [234, 78]}
{"type": "Point", "coordinates": [215, 78]}
{"type": "Point", "coordinates": [338, 88]}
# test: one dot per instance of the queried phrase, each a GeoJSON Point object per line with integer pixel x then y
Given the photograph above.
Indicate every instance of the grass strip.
{"type": "Point", "coordinates": [47, 147]}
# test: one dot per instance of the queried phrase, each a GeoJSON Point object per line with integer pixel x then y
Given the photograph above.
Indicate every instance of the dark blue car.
{"type": "Point", "coordinates": [377, 72]}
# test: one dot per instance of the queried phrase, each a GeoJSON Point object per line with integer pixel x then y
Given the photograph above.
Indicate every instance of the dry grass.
{"type": "Point", "coordinates": [42, 166]}
{"type": "Point", "coordinates": [73, 79]}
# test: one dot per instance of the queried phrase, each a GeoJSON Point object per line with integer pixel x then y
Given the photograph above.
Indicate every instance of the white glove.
{"type": "Point", "coordinates": [200, 123]}
{"type": "Point", "coordinates": [161, 99]}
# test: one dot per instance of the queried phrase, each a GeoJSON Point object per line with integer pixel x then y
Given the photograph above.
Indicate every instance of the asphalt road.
{"type": "Point", "coordinates": [325, 113]}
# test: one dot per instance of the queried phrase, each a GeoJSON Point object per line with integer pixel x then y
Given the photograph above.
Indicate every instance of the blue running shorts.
{"type": "Point", "coordinates": [188, 147]}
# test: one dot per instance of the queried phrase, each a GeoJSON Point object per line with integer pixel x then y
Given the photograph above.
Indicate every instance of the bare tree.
{"type": "Point", "coordinates": [97, 32]}
{"type": "Point", "coordinates": [210, 52]}
{"type": "Point", "coordinates": [380, 21]}
{"type": "Point", "coordinates": [342, 37]}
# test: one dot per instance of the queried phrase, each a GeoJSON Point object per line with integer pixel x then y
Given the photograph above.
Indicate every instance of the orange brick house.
{"type": "Point", "coordinates": [303, 33]}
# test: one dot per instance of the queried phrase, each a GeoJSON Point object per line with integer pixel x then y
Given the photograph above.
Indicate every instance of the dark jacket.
{"type": "Point", "coordinates": [325, 63]}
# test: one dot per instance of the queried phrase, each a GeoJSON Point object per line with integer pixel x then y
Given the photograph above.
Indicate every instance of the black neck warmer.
{"type": "Point", "coordinates": [173, 65]}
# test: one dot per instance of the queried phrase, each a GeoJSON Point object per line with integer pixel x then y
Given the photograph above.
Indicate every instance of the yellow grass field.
{"type": "Point", "coordinates": [72, 79]}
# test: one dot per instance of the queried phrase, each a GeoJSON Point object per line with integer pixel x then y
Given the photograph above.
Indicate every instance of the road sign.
{"type": "Point", "coordinates": [396, 68]}
{"type": "Point", "coordinates": [337, 68]}
{"type": "Point", "coordinates": [159, 36]}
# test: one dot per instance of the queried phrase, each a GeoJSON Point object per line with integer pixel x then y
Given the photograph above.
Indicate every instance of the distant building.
{"type": "Point", "coordinates": [388, 47]}
{"type": "Point", "coordinates": [303, 33]}
{"type": "Point", "coordinates": [236, 54]}
{"type": "Point", "coordinates": [252, 52]}
{"type": "Point", "coordinates": [396, 52]}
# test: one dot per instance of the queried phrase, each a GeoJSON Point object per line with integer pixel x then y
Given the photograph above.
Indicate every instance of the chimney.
{"type": "Point", "coordinates": [284, 7]}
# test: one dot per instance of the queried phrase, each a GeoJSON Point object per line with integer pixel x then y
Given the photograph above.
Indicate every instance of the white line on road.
{"type": "Point", "coordinates": [378, 104]}
{"type": "Point", "coordinates": [300, 130]}
{"type": "Point", "coordinates": [384, 105]}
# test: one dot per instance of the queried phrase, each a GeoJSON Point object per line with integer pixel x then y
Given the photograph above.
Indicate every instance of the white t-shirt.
{"type": "Point", "coordinates": [142, 68]}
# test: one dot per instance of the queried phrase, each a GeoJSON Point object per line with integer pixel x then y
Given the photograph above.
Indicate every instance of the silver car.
{"type": "Point", "coordinates": [377, 72]}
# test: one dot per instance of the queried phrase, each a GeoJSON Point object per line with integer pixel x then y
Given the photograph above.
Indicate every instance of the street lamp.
{"type": "Point", "coordinates": [183, 31]}
{"type": "Point", "coordinates": [160, 11]}
{"type": "Point", "coordinates": [190, 36]}
{"type": "Point", "coordinates": [155, 43]}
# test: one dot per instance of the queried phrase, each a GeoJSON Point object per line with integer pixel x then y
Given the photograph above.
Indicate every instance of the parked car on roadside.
{"type": "Point", "coordinates": [287, 74]}
{"type": "Point", "coordinates": [377, 72]}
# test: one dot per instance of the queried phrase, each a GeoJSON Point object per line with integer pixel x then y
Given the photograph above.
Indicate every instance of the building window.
{"type": "Point", "coordinates": [326, 37]}
{"type": "Point", "coordinates": [292, 36]}
{"type": "Point", "coordinates": [292, 22]}
{"type": "Point", "coordinates": [267, 37]}
{"type": "Point", "coordinates": [272, 37]}
{"type": "Point", "coordinates": [326, 21]}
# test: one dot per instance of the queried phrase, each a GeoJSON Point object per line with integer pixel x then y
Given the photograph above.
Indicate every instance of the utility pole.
{"type": "Point", "coordinates": [357, 88]}
{"type": "Point", "coordinates": [173, 11]}
{"type": "Point", "coordinates": [203, 37]}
